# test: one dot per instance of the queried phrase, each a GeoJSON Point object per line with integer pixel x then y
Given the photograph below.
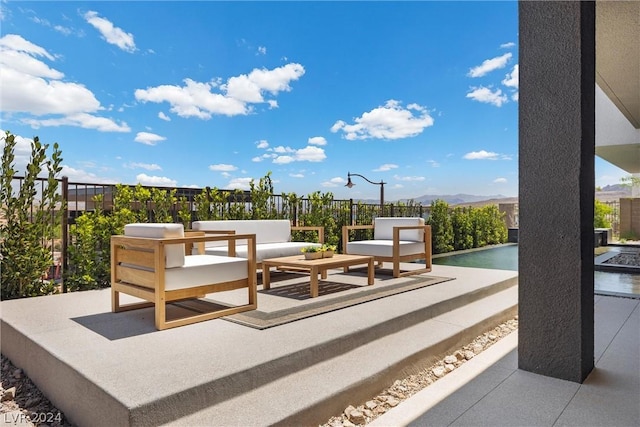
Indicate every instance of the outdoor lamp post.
{"type": "Point", "coordinates": [381, 184]}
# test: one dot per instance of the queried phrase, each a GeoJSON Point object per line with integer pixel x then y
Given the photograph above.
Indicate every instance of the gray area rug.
{"type": "Point", "coordinates": [335, 293]}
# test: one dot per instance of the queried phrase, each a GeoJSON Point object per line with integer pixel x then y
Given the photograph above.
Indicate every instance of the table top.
{"type": "Point", "coordinates": [300, 261]}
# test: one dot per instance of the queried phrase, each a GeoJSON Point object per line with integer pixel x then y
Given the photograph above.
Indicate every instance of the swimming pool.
{"type": "Point", "coordinates": [501, 257]}
{"type": "Point", "coordinates": [505, 257]}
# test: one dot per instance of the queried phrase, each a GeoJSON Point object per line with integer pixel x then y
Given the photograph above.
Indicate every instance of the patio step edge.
{"type": "Point", "coordinates": [356, 375]}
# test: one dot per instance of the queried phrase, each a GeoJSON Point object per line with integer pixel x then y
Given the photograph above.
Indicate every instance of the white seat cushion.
{"type": "Point", "coordinates": [174, 254]}
{"type": "Point", "coordinates": [201, 270]}
{"type": "Point", "coordinates": [383, 228]}
{"type": "Point", "coordinates": [383, 248]}
{"type": "Point", "coordinates": [265, 250]}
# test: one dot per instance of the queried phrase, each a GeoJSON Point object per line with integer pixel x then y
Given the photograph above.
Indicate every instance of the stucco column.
{"type": "Point", "coordinates": [557, 185]}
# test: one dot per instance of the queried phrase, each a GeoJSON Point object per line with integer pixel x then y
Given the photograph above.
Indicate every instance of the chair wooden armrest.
{"type": "Point", "coordinates": [138, 268]}
{"type": "Point", "coordinates": [345, 233]}
{"type": "Point", "coordinates": [318, 229]}
{"type": "Point", "coordinates": [426, 238]}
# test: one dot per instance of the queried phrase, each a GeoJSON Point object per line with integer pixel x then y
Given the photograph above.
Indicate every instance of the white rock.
{"type": "Point", "coordinates": [439, 371]}
{"type": "Point", "coordinates": [357, 417]}
{"type": "Point", "coordinates": [371, 404]}
{"type": "Point", "coordinates": [9, 394]}
{"type": "Point", "coordinates": [468, 354]}
{"type": "Point", "coordinates": [449, 367]}
{"type": "Point", "coordinates": [348, 410]}
{"type": "Point", "coordinates": [392, 401]}
{"type": "Point", "coordinates": [450, 359]}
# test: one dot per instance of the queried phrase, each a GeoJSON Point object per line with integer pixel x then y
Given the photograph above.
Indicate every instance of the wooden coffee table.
{"type": "Point", "coordinates": [315, 267]}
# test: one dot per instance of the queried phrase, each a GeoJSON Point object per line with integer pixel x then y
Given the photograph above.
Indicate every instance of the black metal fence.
{"type": "Point", "coordinates": [80, 197]}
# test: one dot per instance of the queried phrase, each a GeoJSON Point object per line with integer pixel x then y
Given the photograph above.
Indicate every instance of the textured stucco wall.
{"type": "Point", "coordinates": [557, 181]}
{"type": "Point", "coordinates": [630, 218]}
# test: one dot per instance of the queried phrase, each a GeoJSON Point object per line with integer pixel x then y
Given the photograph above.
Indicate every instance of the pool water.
{"type": "Point", "coordinates": [505, 257]}
{"type": "Point", "coordinates": [502, 257]}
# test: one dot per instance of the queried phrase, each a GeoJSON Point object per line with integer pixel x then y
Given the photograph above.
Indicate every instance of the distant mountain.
{"type": "Point", "coordinates": [452, 200]}
{"type": "Point", "coordinates": [457, 199]}
{"type": "Point", "coordinates": [616, 187]}
{"type": "Point", "coordinates": [611, 193]}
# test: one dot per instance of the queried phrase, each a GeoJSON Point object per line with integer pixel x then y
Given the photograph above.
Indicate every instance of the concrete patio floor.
{"type": "Point", "coordinates": [102, 368]}
{"type": "Point", "coordinates": [111, 369]}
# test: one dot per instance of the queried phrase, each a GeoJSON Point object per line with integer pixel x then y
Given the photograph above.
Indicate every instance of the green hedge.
{"type": "Point", "coordinates": [465, 227]}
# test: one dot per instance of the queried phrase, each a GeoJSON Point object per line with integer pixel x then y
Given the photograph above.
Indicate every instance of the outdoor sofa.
{"type": "Point", "coordinates": [273, 237]}
{"type": "Point", "coordinates": [395, 240]}
{"type": "Point", "coordinates": [149, 262]}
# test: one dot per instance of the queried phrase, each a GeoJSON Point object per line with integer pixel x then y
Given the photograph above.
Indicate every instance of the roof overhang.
{"type": "Point", "coordinates": [618, 75]}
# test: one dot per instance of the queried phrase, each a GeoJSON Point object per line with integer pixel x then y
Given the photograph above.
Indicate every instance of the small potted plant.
{"type": "Point", "coordinates": [312, 252]}
{"type": "Point", "coordinates": [328, 250]}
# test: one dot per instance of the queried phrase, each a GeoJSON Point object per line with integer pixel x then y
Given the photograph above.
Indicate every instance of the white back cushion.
{"type": "Point", "coordinates": [383, 228]}
{"type": "Point", "coordinates": [266, 230]}
{"type": "Point", "coordinates": [174, 254]}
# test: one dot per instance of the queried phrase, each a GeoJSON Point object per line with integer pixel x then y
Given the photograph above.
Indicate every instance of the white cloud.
{"type": "Point", "coordinates": [197, 99]}
{"type": "Point", "coordinates": [334, 182]}
{"type": "Point", "coordinates": [433, 163]}
{"type": "Point", "coordinates": [282, 149]}
{"type": "Point", "coordinates": [79, 175]}
{"type": "Point", "coordinates": [262, 50]}
{"type": "Point", "coordinates": [386, 167]}
{"type": "Point", "coordinates": [63, 30]}
{"type": "Point", "coordinates": [148, 138]}
{"type": "Point", "coordinates": [390, 121]}
{"type": "Point", "coordinates": [221, 167]}
{"type": "Point", "coordinates": [147, 166]}
{"type": "Point", "coordinates": [32, 88]}
{"type": "Point", "coordinates": [296, 175]}
{"type": "Point", "coordinates": [250, 88]}
{"type": "Point", "coordinates": [487, 96]}
{"type": "Point", "coordinates": [507, 45]}
{"type": "Point", "coordinates": [262, 144]}
{"type": "Point", "coordinates": [110, 33]}
{"type": "Point", "coordinates": [283, 160]}
{"type": "Point", "coordinates": [489, 65]}
{"type": "Point", "coordinates": [257, 159]}
{"type": "Point", "coordinates": [485, 155]}
{"type": "Point", "coordinates": [239, 183]}
{"type": "Point", "coordinates": [500, 181]}
{"type": "Point", "coordinates": [317, 140]}
{"type": "Point", "coordinates": [82, 120]}
{"type": "Point", "coordinates": [409, 178]}
{"type": "Point", "coordinates": [156, 181]}
{"type": "Point", "coordinates": [21, 151]}
{"type": "Point", "coordinates": [307, 154]}
{"type": "Point", "coordinates": [310, 154]}
{"type": "Point", "coordinates": [163, 116]}
{"type": "Point", "coordinates": [511, 80]}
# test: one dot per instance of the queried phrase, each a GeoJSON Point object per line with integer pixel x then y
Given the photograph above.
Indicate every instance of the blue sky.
{"type": "Point", "coordinates": [422, 95]}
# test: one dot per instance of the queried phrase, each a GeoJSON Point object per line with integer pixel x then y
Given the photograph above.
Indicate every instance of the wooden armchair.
{"type": "Point", "coordinates": [394, 240]}
{"type": "Point", "coordinates": [149, 262]}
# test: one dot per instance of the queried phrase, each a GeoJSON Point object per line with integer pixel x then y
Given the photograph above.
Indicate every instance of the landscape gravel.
{"type": "Point", "coordinates": [402, 389]}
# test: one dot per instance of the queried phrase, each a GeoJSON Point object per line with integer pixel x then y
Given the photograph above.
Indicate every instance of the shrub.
{"type": "Point", "coordinates": [441, 228]}
{"type": "Point", "coordinates": [24, 257]}
{"type": "Point", "coordinates": [600, 213]}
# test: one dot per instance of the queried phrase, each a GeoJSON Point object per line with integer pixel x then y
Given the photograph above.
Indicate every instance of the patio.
{"type": "Point", "coordinates": [102, 368]}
